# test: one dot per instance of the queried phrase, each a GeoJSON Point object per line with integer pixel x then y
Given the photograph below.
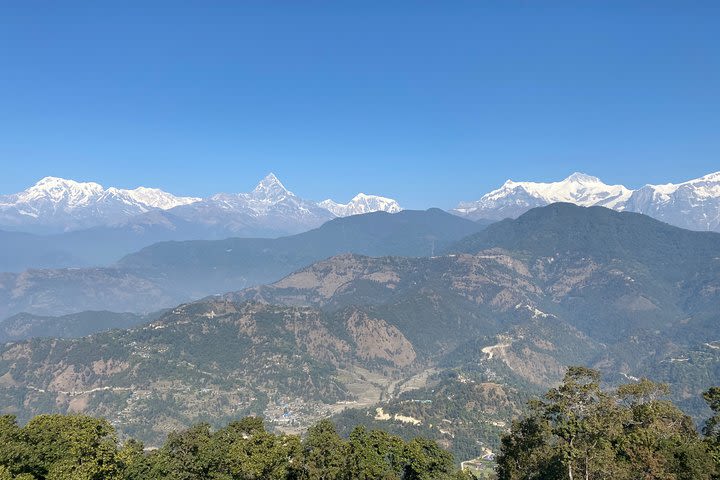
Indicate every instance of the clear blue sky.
{"type": "Point", "coordinates": [428, 102]}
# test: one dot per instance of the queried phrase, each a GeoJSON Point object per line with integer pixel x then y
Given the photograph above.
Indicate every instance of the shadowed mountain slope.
{"type": "Point", "coordinates": [26, 325]}
{"type": "Point", "coordinates": [168, 273]}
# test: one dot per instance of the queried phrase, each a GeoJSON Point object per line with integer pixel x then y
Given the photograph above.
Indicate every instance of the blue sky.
{"type": "Point", "coordinates": [427, 102]}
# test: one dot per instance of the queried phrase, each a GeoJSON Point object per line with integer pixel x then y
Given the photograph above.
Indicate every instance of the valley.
{"type": "Point", "coordinates": [450, 347]}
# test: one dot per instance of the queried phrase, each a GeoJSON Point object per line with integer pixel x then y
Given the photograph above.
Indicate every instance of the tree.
{"type": "Point", "coordinates": [528, 449]}
{"type": "Point", "coordinates": [76, 447]}
{"type": "Point", "coordinates": [583, 418]}
{"type": "Point", "coordinates": [185, 454]}
{"type": "Point", "coordinates": [373, 455]}
{"type": "Point", "coordinates": [580, 431]}
{"type": "Point", "coordinates": [323, 453]}
{"type": "Point", "coordinates": [427, 461]}
{"type": "Point", "coordinates": [71, 447]}
{"type": "Point", "coordinates": [266, 456]}
{"type": "Point", "coordinates": [14, 453]}
{"type": "Point", "coordinates": [136, 465]}
{"type": "Point", "coordinates": [712, 426]}
{"type": "Point", "coordinates": [660, 442]}
{"type": "Point", "coordinates": [711, 430]}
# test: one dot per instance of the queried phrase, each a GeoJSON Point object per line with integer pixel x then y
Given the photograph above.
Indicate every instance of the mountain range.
{"type": "Point", "coordinates": [450, 344]}
{"type": "Point", "coordinates": [694, 204]}
{"type": "Point", "coordinates": [167, 273]}
{"type": "Point", "coordinates": [55, 205]}
{"type": "Point", "coordinates": [61, 223]}
{"type": "Point", "coordinates": [360, 204]}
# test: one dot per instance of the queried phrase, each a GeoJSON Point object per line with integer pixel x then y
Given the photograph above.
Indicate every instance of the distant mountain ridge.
{"type": "Point", "coordinates": [269, 210]}
{"type": "Point", "coordinates": [60, 223]}
{"type": "Point", "coordinates": [694, 204]}
{"type": "Point", "coordinates": [55, 205]}
{"type": "Point", "coordinates": [25, 325]}
{"type": "Point", "coordinates": [360, 204]}
{"type": "Point", "coordinates": [171, 272]}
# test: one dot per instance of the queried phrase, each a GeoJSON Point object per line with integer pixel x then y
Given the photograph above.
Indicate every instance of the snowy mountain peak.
{"type": "Point", "coordinates": [361, 203]}
{"type": "Point", "coordinates": [72, 194]}
{"type": "Point", "coordinates": [58, 204]}
{"type": "Point", "coordinates": [710, 177]}
{"type": "Point", "coordinates": [694, 204]}
{"type": "Point", "coordinates": [54, 182]}
{"type": "Point", "coordinates": [578, 177]}
{"type": "Point", "coordinates": [361, 197]}
{"type": "Point", "coordinates": [514, 198]}
{"type": "Point", "coordinates": [271, 188]}
{"type": "Point", "coordinates": [58, 189]}
{"type": "Point", "coordinates": [153, 198]}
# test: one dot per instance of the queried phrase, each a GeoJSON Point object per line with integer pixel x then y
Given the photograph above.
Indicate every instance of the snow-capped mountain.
{"type": "Point", "coordinates": [269, 210]}
{"type": "Point", "coordinates": [56, 204]}
{"type": "Point", "coordinates": [360, 204]}
{"type": "Point", "coordinates": [515, 198]}
{"type": "Point", "coordinates": [694, 204]}
{"type": "Point", "coordinates": [270, 197]}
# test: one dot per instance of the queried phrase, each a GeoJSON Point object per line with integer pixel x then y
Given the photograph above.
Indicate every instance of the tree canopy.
{"type": "Point", "coordinates": [76, 447]}
{"type": "Point", "coordinates": [580, 431]}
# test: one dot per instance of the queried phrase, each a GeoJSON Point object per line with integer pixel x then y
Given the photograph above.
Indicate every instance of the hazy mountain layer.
{"type": "Point", "coordinates": [168, 273]}
{"type": "Point", "coordinates": [25, 325]}
{"type": "Point", "coordinates": [55, 205]}
{"type": "Point", "coordinates": [84, 224]}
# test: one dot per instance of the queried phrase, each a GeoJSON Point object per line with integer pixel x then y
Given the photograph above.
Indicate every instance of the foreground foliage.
{"type": "Point", "coordinates": [59, 447]}
{"type": "Point", "coordinates": [579, 431]}
{"type": "Point", "coordinates": [576, 431]}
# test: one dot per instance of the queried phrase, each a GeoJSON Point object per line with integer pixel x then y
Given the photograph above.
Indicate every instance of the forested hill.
{"type": "Point", "coordinates": [596, 232]}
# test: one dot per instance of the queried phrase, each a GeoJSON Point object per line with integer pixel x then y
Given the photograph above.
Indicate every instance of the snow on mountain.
{"type": "Point", "coordinates": [153, 198]}
{"type": "Point", "coordinates": [515, 198]}
{"type": "Point", "coordinates": [360, 204]}
{"type": "Point", "coordinates": [269, 210]}
{"type": "Point", "coordinates": [268, 198]}
{"type": "Point", "coordinates": [57, 204]}
{"type": "Point", "coordinates": [694, 204]}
